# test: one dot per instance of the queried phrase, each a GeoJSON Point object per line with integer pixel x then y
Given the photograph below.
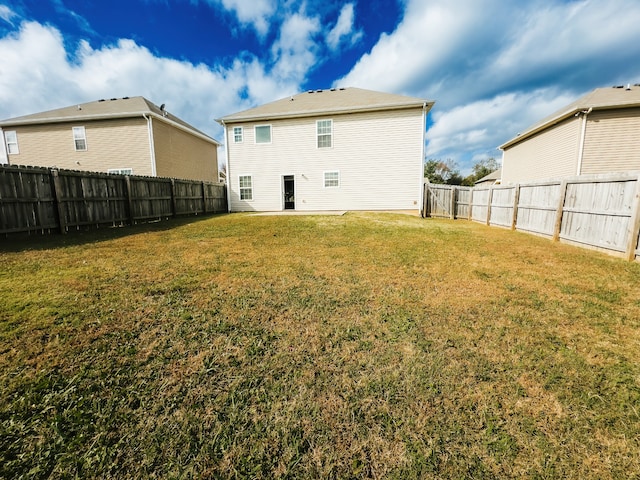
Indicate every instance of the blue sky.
{"type": "Point", "coordinates": [493, 67]}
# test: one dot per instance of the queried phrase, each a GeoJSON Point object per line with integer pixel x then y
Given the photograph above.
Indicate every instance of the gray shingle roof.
{"type": "Point", "coordinates": [492, 177]}
{"type": "Point", "coordinates": [126, 107]}
{"type": "Point", "coordinates": [332, 101]}
{"type": "Point", "coordinates": [598, 99]}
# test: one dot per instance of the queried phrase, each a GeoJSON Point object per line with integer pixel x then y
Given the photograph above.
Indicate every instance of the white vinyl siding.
{"type": "Point", "coordinates": [378, 156]}
{"type": "Point", "coordinates": [245, 182]}
{"type": "Point", "coordinates": [324, 129]}
{"type": "Point", "coordinates": [263, 133]}
{"type": "Point", "coordinates": [549, 154]}
{"type": "Point", "coordinates": [11, 138]}
{"type": "Point", "coordinates": [80, 139]}
{"type": "Point", "coordinates": [237, 134]}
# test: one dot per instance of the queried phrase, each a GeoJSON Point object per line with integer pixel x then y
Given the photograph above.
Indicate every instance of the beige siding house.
{"type": "Point", "coordinates": [598, 133]}
{"type": "Point", "coordinates": [337, 149]}
{"type": "Point", "coordinates": [125, 135]}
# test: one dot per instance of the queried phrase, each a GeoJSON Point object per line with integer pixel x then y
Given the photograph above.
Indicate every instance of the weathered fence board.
{"type": "Point", "coordinates": [462, 202]}
{"type": "Point", "coordinates": [27, 202]}
{"type": "Point", "coordinates": [537, 208]}
{"type": "Point", "coordinates": [480, 204]}
{"type": "Point", "coordinates": [439, 201]}
{"type": "Point", "coordinates": [35, 199]}
{"type": "Point", "coordinates": [598, 211]}
{"type": "Point", "coordinates": [502, 206]}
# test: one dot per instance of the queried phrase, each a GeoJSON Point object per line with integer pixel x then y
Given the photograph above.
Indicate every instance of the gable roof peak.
{"type": "Point", "coordinates": [605, 98]}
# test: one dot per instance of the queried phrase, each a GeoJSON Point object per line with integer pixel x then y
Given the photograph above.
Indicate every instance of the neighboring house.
{"type": "Point", "coordinates": [337, 149]}
{"type": "Point", "coordinates": [598, 133]}
{"type": "Point", "coordinates": [492, 179]}
{"type": "Point", "coordinates": [125, 135]}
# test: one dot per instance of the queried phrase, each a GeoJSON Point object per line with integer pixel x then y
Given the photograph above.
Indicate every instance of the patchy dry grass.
{"type": "Point", "coordinates": [363, 346]}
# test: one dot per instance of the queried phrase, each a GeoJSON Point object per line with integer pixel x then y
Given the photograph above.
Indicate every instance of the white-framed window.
{"type": "Point", "coordinates": [121, 171]}
{"type": "Point", "coordinates": [263, 133]}
{"type": "Point", "coordinates": [80, 139]}
{"type": "Point", "coordinates": [237, 134]}
{"type": "Point", "coordinates": [331, 179]}
{"type": "Point", "coordinates": [246, 187]}
{"type": "Point", "coordinates": [11, 138]}
{"type": "Point", "coordinates": [324, 131]}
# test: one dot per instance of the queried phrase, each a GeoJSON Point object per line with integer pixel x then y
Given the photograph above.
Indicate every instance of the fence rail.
{"type": "Point", "coordinates": [595, 211]}
{"type": "Point", "coordinates": [47, 200]}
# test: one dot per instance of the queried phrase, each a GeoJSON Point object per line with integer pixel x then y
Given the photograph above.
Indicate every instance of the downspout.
{"type": "Point", "coordinates": [4, 154]}
{"type": "Point", "coordinates": [226, 161]}
{"type": "Point", "coordinates": [422, 152]}
{"type": "Point", "coordinates": [152, 147]}
{"type": "Point", "coordinates": [582, 137]}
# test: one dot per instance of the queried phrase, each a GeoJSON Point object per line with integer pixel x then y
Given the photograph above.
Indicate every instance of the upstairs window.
{"type": "Point", "coordinates": [11, 138]}
{"type": "Point", "coordinates": [237, 134]}
{"type": "Point", "coordinates": [331, 179]}
{"type": "Point", "coordinates": [324, 130]}
{"type": "Point", "coordinates": [246, 187]}
{"type": "Point", "coordinates": [263, 133]}
{"type": "Point", "coordinates": [121, 171]}
{"type": "Point", "coordinates": [80, 139]}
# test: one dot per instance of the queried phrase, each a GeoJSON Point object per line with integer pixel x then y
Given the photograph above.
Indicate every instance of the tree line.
{"type": "Point", "coordinates": [446, 172]}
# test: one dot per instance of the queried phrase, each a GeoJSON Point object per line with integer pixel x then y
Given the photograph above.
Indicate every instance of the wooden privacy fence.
{"type": "Point", "coordinates": [38, 199]}
{"type": "Point", "coordinates": [596, 211]}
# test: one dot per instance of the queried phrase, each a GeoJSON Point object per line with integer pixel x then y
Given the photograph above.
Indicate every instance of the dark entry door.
{"type": "Point", "coordinates": [289, 193]}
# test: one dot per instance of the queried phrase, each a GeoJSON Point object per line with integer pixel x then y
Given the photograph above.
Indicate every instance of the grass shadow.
{"type": "Point", "coordinates": [20, 242]}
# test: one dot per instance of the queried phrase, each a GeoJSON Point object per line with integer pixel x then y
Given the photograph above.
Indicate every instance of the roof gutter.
{"type": "Point", "coordinates": [315, 113]}
{"type": "Point", "coordinates": [110, 116]}
{"type": "Point", "coordinates": [562, 117]}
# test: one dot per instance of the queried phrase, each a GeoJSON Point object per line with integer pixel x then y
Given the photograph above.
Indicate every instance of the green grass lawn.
{"type": "Point", "coordinates": [362, 346]}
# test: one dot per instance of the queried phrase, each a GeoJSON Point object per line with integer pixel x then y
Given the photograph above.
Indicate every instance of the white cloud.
{"type": "Point", "coordinates": [295, 50]}
{"type": "Point", "coordinates": [476, 129]}
{"type": "Point", "coordinates": [55, 78]}
{"type": "Point", "coordinates": [429, 35]}
{"type": "Point", "coordinates": [6, 14]}
{"type": "Point", "coordinates": [82, 22]}
{"type": "Point", "coordinates": [496, 67]}
{"type": "Point", "coordinates": [343, 28]}
{"type": "Point", "coordinates": [256, 13]}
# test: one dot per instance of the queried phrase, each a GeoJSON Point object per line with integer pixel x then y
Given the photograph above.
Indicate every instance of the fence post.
{"type": "Point", "coordinates": [489, 200]}
{"type": "Point", "coordinates": [129, 193]}
{"type": "Point", "coordinates": [204, 198]}
{"type": "Point", "coordinates": [59, 199]}
{"type": "Point", "coordinates": [174, 200]}
{"type": "Point", "coordinates": [516, 201]}
{"type": "Point", "coordinates": [453, 203]}
{"type": "Point", "coordinates": [425, 200]}
{"type": "Point", "coordinates": [470, 207]}
{"type": "Point", "coordinates": [634, 224]}
{"type": "Point", "coordinates": [560, 210]}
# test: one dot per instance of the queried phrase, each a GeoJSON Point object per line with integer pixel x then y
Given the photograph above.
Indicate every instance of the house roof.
{"type": "Point", "coordinates": [126, 107]}
{"type": "Point", "coordinates": [599, 99]}
{"type": "Point", "coordinates": [492, 177]}
{"type": "Point", "coordinates": [322, 102]}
